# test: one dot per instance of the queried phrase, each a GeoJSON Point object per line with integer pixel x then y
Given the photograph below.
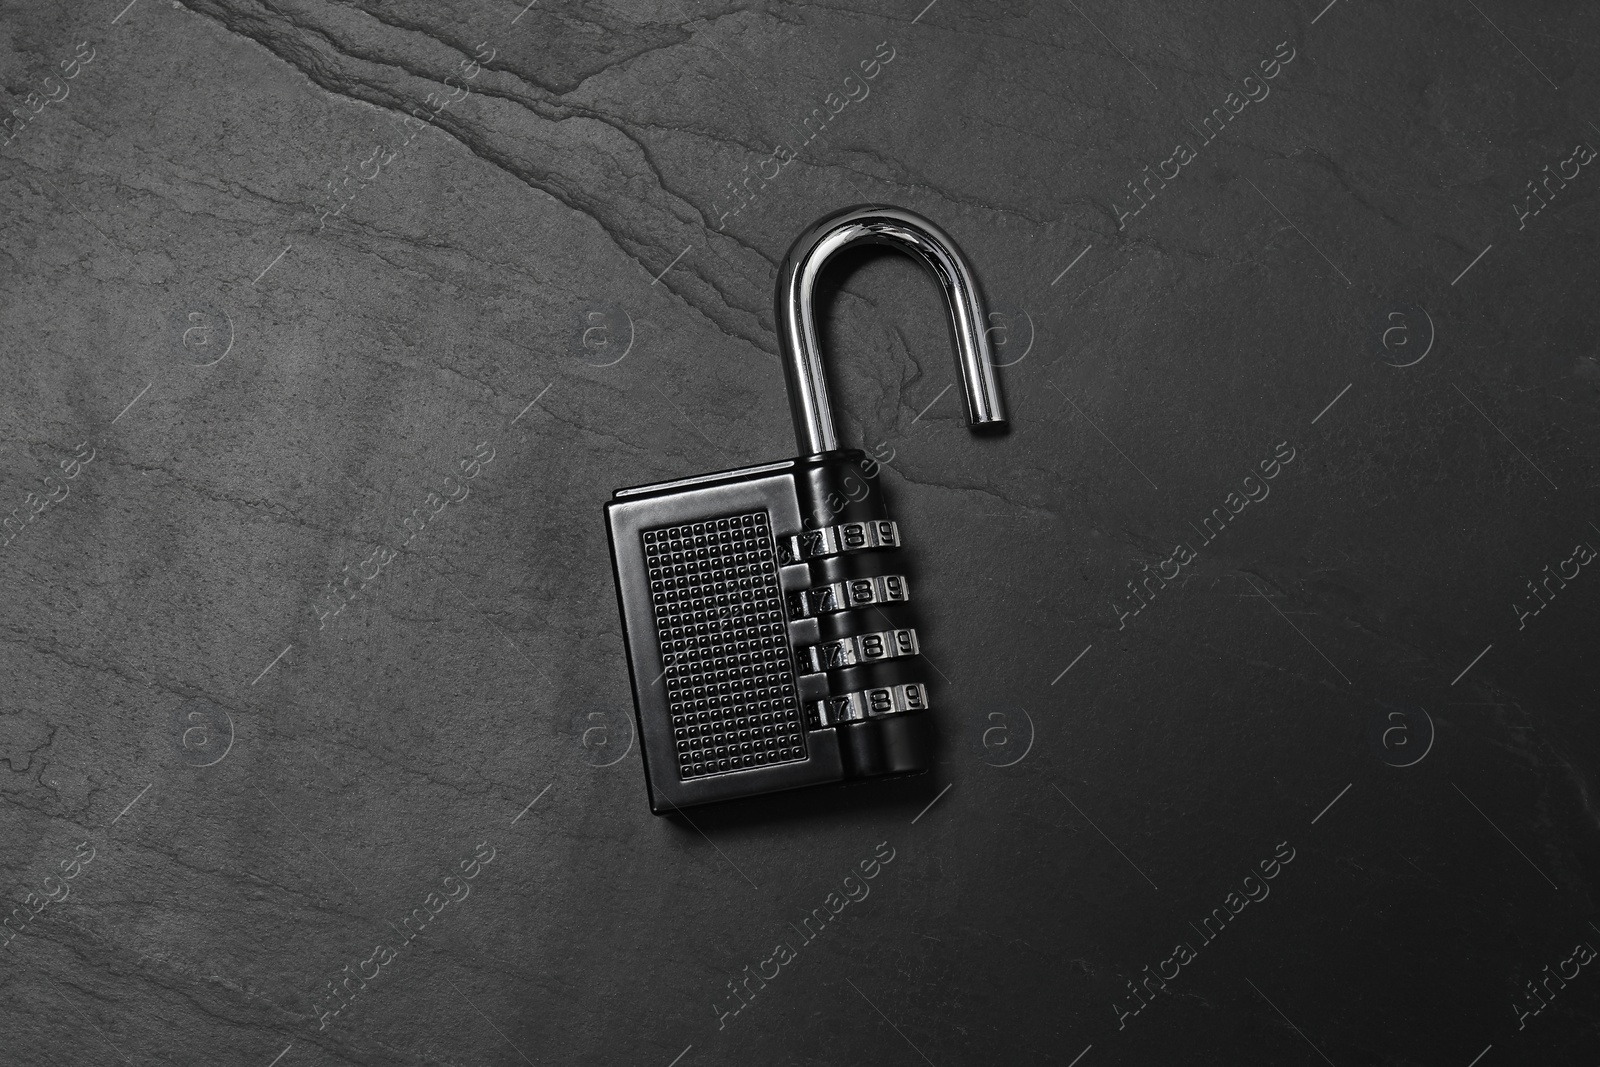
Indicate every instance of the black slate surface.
{"type": "Point", "coordinates": [278, 318]}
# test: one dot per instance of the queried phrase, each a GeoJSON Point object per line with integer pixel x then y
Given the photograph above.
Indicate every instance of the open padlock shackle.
{"type": "Point", "coordinates": [797, 327]}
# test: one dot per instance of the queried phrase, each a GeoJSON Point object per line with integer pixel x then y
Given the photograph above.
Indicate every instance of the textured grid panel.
{"type": "Point", "coordinates": [724, 643]}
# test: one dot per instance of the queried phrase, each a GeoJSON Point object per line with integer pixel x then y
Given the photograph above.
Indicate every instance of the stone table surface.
{"type": "Point", "coordinates": [330, 325]}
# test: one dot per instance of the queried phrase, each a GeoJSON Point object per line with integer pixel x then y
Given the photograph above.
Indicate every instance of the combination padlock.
{"type": "Point", "coordinates": [766, 610]}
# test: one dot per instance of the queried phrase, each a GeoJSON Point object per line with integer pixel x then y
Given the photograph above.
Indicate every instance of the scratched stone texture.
{"type": "Point", "coordinates": [330, 326]}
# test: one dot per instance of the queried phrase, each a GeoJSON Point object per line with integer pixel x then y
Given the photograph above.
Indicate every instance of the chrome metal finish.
{"type": "Point", "coordinates": [848, 595]}
{"type": "Point", "coordinates": [834, 540]}
{"type": "Point", "coordinates": [868, 704]}
{"type": "Point", "coordinates": [797, 328]}
{"type": "Point", "coordinates": [850, 651]}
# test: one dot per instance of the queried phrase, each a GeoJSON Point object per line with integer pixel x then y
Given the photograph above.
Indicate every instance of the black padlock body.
{"type": "Point", "coordinates": [840, 486]}
{"type": "Point", "coordinates": [770, 638]}
{"type": "Point", "coordinates": [895, 746]}
{"type": "Point", "coordinates": [852, 623]}
{"type": "Point", "coordinates": [876, 675]}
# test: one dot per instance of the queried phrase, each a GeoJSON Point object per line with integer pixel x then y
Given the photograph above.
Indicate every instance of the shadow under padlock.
{"type": "Point", "coordinates": [766, 611]}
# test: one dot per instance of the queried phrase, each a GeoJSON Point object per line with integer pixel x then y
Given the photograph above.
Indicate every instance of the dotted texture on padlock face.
{"type": "Point", "coordinates": [725, 645]}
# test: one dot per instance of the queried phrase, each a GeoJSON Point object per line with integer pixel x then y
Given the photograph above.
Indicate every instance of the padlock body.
{"type": "Point", "coordinates": [769, 633]}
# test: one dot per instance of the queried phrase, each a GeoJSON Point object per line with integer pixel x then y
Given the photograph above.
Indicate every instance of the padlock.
{"type": "Point", "coordinates": [766, 611]}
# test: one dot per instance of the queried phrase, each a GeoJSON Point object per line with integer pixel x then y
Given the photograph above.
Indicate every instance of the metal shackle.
{"type": "Point", "coordinates": [797, 327]}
